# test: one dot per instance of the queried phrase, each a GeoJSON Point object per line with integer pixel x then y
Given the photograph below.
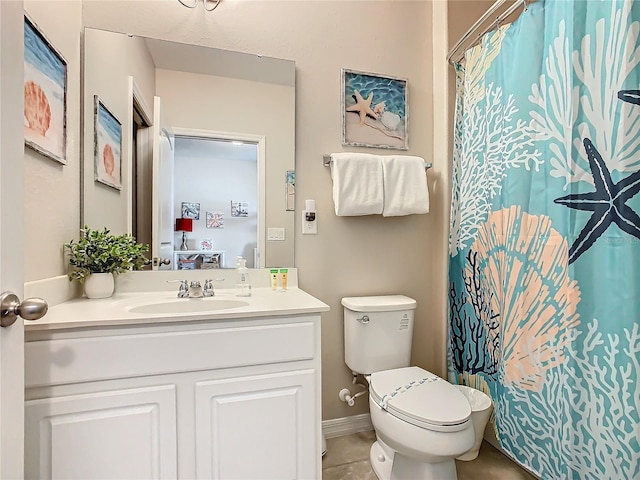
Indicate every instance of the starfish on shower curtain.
{"type": "Point", "coordinates": [608, 204]}
{"type": "Point", "coordinates": [630, 96]}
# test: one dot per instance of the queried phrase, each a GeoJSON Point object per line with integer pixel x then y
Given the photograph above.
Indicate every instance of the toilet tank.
{"type": "Point", "coordinates": [377, 332]}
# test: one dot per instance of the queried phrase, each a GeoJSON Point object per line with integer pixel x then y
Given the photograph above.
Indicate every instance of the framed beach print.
{"type": "Point", "coordinates": [290, 191]}
{"type": "Point", "coordinates": [45, 95]}
{"type": "Point", "coordinates": [190, 210]}
{"type": "Point", "coordinates": [239, 209]}
{"type": "Point", "coordinates": [374, 110]}
{"type": "Point", "coordinates": [107, 146]}
{"type": "Point", "coordinates": [215, 220]}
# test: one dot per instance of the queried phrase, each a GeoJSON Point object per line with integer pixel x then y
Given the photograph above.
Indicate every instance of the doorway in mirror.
{"type": "Point", "coordinates": [215, 183]}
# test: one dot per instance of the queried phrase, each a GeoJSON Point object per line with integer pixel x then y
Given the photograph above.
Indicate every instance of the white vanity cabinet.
{"type": "Point", "coordinates": [208, 399]}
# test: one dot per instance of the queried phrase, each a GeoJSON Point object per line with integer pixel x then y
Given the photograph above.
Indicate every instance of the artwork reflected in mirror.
{"type": "Point", "coordinates": [191, 210]}
{"type": "Point", "coordinates": [215, 220]}
{"type": "Point", "coordinates": [290, 190]}
{"type": "Point", "coordinates": [239, 209]}
{"type": "Point", "coordinates": [107, 151]}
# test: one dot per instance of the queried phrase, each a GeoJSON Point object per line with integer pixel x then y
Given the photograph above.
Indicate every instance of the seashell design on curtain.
{"type": "Point", "coordinates": [544, 244]}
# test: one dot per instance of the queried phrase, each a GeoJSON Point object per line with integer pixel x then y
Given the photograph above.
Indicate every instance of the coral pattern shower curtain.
{"type": "Point", "coordinates": [545, 236]}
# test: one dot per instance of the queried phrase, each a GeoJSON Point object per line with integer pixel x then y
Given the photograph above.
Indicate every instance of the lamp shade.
{"type": "Point", "coordinates": [184, 224]}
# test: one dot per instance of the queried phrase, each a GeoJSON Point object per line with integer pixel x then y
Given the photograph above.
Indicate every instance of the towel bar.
{"type": "Point", "coordinates": [326, 161]}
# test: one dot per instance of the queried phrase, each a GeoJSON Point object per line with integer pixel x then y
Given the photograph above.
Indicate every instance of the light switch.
{"type": "Point", "coordinates": [275, 234]}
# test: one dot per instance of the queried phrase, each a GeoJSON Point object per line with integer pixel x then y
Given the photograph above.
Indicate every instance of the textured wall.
{"type": "Point", "coordinates": [52, 191]}
{"type": "Point", "coordinates": [349, 256]}
{"type": "Point", "coordinates": [110, 61]}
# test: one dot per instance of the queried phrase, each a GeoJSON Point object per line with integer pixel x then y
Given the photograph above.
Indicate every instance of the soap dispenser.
{"type": "Point", "coordinates": [243, 285]}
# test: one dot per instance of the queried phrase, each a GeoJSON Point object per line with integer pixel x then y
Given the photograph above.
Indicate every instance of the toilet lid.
{"type": "Point", "coordinates": [381, 303]}
{"type": "Point", "coordinates": [419, 397]}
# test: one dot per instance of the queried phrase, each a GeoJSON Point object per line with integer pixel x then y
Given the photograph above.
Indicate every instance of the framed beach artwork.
{"type": "Point", "coordinates": [190, 210]}
{"type": "Point", "coordinates": [215, 220]}
{"type": "Point", "coordinates": [374, 110]}
{"type": "Point", "coordinates": [239, 209]}
{"type": "Point", "coordinates": [107, 146]}
{"type": "Point", "coordinates": [45, 95]}
{"type": "Point", "coordinates": [290, 190]}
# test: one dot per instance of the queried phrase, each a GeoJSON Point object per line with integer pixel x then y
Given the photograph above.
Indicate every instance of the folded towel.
{"type": "Point", "coordinates": [357, 184]}
{"type": "Point", "coordinates": [405, 185]}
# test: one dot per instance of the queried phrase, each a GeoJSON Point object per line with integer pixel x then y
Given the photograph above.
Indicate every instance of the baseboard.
{"type": "Point", "coordinates": [337, 427]}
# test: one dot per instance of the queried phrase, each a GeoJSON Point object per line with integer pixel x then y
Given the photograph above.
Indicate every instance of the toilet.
{"type": "Point", "coordinates": [422, 422]}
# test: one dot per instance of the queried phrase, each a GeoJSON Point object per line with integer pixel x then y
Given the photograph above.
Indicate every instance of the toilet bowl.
{"type": "Point", "coordinates": [422, 422]}
{"type": "Point", "coordinates": [481, 408]}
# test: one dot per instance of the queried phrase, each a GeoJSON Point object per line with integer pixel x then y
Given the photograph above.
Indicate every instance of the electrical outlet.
{"type": "Point", "coordinates": [275, 234]}
{"type": "Point", "coordinates": [309, 228]}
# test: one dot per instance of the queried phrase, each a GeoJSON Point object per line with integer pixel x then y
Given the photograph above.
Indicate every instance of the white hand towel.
{"type": "Point", "coordinates": [357, 184]}
{"type": "Point", "coordinates": [405, 185]}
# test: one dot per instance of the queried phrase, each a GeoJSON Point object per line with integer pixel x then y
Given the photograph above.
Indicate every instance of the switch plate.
{"type": "Point", "coordinates": [309, 228]}
{"type": "Point", "coordinates": [275, 234]}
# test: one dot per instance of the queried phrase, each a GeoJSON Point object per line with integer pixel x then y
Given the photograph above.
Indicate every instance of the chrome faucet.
{"type": "Point", "coordinates": [194, 289]}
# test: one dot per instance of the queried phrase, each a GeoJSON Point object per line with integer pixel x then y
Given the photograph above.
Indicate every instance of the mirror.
{"type": "Point", "coordinates": [151, 103]}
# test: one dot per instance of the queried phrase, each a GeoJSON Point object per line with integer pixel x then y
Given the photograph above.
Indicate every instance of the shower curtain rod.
{"type": "Point", "coordinates": [454, 53]}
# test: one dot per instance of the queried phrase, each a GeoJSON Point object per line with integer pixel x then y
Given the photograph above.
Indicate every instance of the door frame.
{"type": "Point", "coordinates": [11, 235]}
{"type": "Point", "coordinates": [260, 141]}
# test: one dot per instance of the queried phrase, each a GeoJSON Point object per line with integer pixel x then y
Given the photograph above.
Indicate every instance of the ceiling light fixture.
{"type": "Point", "coordinates": [209, 5]}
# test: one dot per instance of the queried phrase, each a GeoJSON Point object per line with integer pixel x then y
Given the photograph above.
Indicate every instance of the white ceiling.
{"type": "Point", "coordinates": [211, 149]}
{"type": "Point", "coordinates": [224, 63]}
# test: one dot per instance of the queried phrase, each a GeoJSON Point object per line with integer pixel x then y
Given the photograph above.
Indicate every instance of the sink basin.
{"type": "Point", "coordinates": [188, 305]}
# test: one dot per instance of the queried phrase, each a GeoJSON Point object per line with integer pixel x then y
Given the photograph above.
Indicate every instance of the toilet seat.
{"type": "Point", "coordinates": [420, 398]}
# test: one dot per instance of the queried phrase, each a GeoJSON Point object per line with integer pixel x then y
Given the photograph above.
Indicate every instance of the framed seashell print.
{"type": "Point", "coordinates": [107, 146]}
{"type": "Point", "coordinates": [45, 95]}
{"type": "Point", "coordinates": [374, 110]}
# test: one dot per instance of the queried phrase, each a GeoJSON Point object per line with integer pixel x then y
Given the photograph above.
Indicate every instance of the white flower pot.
{"type": "Point", "coordinates": [99, 285]}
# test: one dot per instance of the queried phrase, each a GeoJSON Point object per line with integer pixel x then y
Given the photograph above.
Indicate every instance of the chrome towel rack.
{"type": "Point", "coordinates": [326, 161]}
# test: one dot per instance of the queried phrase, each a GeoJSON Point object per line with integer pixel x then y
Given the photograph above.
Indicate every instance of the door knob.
{"type": "Point", "coordinates": [161, 261]}
{"type": "Point", "coordinates": [30, 309]}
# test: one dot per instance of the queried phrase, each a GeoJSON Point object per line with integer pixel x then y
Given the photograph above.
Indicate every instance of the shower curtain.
{"type": "Point", "coordinates": [544, 268]}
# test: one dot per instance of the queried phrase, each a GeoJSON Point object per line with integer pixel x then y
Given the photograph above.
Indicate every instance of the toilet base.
{"type": "Point", "coordinates": [380, 461]}
{"type": "Point", "coordinates": [399, 467]}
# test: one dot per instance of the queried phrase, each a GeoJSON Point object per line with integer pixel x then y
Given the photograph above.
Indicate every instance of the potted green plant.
{"type": "Point", "coordinates": [98, 255]}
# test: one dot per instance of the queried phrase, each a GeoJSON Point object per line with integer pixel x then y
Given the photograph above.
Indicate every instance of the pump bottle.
{"type": "Point", "coordinates": [243, 284]}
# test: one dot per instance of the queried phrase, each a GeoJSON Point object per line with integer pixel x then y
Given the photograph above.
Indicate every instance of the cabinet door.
{"type": "Point", "coordinates": [257, 427]}
{"type": "Point", "coordinates": [113, 434]}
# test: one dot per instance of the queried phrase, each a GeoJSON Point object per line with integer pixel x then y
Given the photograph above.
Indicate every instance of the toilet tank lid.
{"type": "Point", "coordinates": [379, 303]}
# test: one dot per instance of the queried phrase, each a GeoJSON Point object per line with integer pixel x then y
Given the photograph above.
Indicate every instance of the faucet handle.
{"type": "Point", "coordinates": [207, 290]}
{"type": "Point", "coordinates": [183, 289]}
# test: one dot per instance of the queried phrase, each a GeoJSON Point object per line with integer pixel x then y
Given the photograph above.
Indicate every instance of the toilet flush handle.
{"type": "Point", "coordinates": [364, 319]}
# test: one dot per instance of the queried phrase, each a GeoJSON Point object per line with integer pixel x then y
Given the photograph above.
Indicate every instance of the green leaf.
{"type": "Point", "coordinates": [102, 252]}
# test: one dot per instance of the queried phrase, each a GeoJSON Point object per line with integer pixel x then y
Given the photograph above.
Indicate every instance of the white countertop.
{"type": "Point", "coordinates": [83, 312]}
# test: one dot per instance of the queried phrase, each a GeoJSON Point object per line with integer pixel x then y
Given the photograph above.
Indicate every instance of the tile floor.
{"type": "Point", "coordinates": [347, 458]}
